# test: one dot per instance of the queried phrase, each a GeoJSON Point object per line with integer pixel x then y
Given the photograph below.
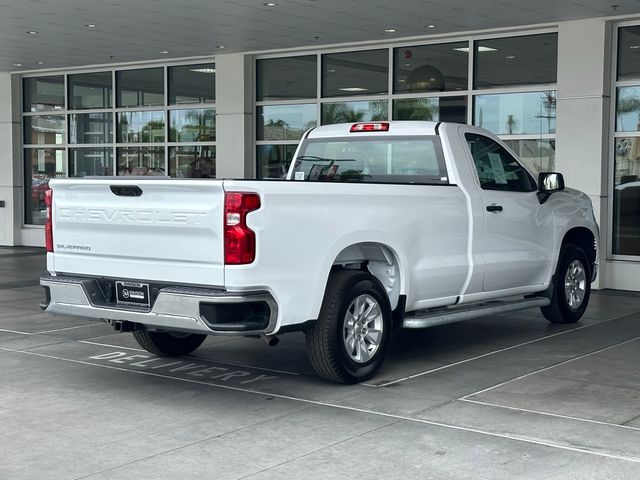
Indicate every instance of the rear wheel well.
{"type": "Point", "coordinates": [583, 238]}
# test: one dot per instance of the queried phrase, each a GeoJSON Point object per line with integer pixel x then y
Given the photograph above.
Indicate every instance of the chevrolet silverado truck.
{"type": "Point", "coordinates": [378, 226]}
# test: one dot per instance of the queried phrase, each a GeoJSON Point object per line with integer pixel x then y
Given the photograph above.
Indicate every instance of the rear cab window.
{"type": "Point", "coordinates": [402, 160]}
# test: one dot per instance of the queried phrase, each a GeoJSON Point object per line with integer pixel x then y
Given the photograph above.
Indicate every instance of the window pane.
{"type": "Point", "coordinates": [628, 109]}
{"type": "Point", "coordinates": [629, 53]}
{"type": "Point", "coordinates": [528, 60]}
{"type": "Point", "coordinates": [41, 165]}
{"type": "Point", "coordinates": [287, 78]}
{"type": "Point", "coordinates": [274, 160]}
{"type": "Point", "coordinates": [192, 84]}
{"type": "Point", "coordinates": [197, 125]}
{"type": "Point", "coordinates": [354, 111]}
{"type": "Point", "coordinates": [371, 160]}
{"type": "Point", "coordinates": [140, 127]}
{"type": "Point", "coordinates": [44, 130]}
{"type": "Point", "coordinates": [140, 88]}
{"type": "Point", "coordinates": [626, 197]}
{"type": "Point", "coordinates": [43, 94]}
{"type": "Point", "coordinates": [91, 128]}
{"type": "Point", "coordinates": [84, 162]}
{"type": "Point", "coordinates": [355, 73]}
{"type": "Point", "coordinates": [285, 122]}
{"type": "Point", "coordinates": [539, 155]}
{"type": "Point", "coordinates": [431, 68]}
{"type": "Point", "coordinates": [516, 113]}
{"type": "Point", "coordinates": [192, 162]}
{"type": "Point", "coordinates": [90, 90]}
{"type": "Point", "coordinates": [496, 168]}
{"type": "Point", "coordinates": [445, 109]}
{"type": "Point", "coordinates": [141, 161]}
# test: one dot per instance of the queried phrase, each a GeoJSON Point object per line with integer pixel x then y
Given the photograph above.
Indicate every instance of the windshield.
{"type": "Point", "coordinates": [371, 160]}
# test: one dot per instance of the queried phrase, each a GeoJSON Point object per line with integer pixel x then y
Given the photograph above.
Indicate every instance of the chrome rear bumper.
{"type": "Point", "coordinates": [175, 308]}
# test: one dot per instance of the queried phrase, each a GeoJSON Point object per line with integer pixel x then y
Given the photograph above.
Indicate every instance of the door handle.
{"type": "Point", "coordinates": [494, 208]}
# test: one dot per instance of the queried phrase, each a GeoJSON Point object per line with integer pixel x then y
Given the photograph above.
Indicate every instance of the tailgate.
{"type": "Point", "coordinates": [148, 229]}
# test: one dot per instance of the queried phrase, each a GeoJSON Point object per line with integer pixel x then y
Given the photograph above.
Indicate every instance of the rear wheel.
{"type": "Point", "coordinates": [348, 342]}
{"type": "Point", "coordinates": [572, 287]}
{"type": "Point", "coordinates": [168, 344]}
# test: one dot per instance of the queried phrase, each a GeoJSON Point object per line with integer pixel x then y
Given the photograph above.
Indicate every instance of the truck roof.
{"type": "Point", "coordinates": [395, 128]}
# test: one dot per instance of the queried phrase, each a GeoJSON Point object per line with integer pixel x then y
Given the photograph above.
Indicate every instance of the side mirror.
{"type": "Point", "coordinates": [549, 182]}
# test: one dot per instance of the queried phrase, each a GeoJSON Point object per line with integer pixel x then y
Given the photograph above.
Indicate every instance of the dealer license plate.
{"type": "Point", "coordinates": [132, 293]}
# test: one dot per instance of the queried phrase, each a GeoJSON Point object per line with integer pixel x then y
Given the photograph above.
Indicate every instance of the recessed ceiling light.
{"type": "Point", "coordinates": [164, 52]}
{"type": "Point", "coordinates": [390, 30]}
{"type": "Point", "coordinates": [510, 57]}
{"type": "Point", "coordinates": [32, 32]}
{"type": "Point", "coordinates": [90, 25]}
{"type": "Point", "coordinates": [481, 48]}
{"type": "Point", "coordinates": [331, 70]}
{"type": "Point", "coordinates": [270, 4]}
{"type": "Point", "coordinates": [39, 63]}
{"type": "Point", "coordinates": [634, 46]}
{"type": "Point", "coordinates": [431, 26]}
{"type": "Point", "coordinates": [203, 70]}
{"type": "Point", "coordinates": [353, 89]}
{"type": "Point", "coordinates": [17, 64]}
{"type": "Point", "coordinates": [221, 46]}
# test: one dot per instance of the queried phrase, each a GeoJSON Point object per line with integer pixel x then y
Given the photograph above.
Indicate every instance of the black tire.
{"type": "Point", "coordinates": [560, 310]}
{"type": "Point", "coordinates": [168, 344]}
{"type": "Point", "coordinates": [326, 347]}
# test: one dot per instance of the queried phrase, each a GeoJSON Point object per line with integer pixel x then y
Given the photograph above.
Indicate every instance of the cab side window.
{"type": "Point", "coordinates": [496, 168]}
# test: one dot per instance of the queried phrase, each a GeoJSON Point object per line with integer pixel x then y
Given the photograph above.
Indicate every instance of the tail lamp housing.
{"type": "Point", "coordinates": [239, 240]}
{"type": "Point", "coordinates": [48, 226]}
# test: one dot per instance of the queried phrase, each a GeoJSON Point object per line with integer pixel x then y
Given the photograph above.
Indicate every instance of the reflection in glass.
{"type": "Point", "coordinates": [445, 109]}
{"type": "Point", "coordinates": [43, 93]}
{"type": "Point", "coordinates": [140, 127]}
{"type": "Point", "coordinates": [274, 160]}
{"type": "Point", "coordinates": [90, 128]}
{"type": "Point", "coordinates": [141, 161]}
{"type": "Point", "coordinates": [525, 60]}
{"type": "Point", "coordinates": [140, 88]}
{"type": "Point", "coordinates": [343, 112]}
{"type": "Point", "coordinates": [84, 162]}
{"type": "Point", "coordinates": [626, 197]}
{"type": "Point", "coordinates": [90, 90]}
{"type": "Point", "coordinates": [628, 109]}
{"type": "Point", "coordinates": [194, 125]}
{"type": "Point", "coordinates": [193, 162]}
{"type": "Point", "coordinates": [539, 155]}
{"type": "Point", "coordinates": [431, 68]}
{"type": "Point", "coordinates": [285, 122]}
{"type": "Point", "coordinates": [516, 113]}
{"type": "Point", "coordinates": [44, 130]}
{"type": "Point", "coordinates": [41, 165]}
{"type": "Point", "coordinates": [355, 73]}
{"type": "Point", "coordinates": [629, 53]}
{"type": "Point", "coordinates": [287, 78]}
{"type": "Point", "coordinates": [192, 84]}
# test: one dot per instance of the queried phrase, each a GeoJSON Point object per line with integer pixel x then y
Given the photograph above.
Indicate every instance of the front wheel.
{"type": "Point", "coordinates": [572, 287]}
{"type": "Point", "coordinates": [168, 344]}
{"type": "Point", "coordinates": [348, 342]}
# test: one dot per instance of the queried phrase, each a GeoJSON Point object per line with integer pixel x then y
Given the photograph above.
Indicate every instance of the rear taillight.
{"type": "Point", "coordinates": [48, 226]}
{"type": "Point", "coordinates": [239, 240]}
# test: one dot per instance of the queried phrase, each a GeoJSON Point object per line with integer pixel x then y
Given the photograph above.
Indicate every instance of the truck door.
{"type": "Point", "coordinates": [518, 231]}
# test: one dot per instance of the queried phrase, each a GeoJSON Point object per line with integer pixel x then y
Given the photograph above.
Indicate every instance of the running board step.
{"type": "Point", "coordinates": [426, 318]}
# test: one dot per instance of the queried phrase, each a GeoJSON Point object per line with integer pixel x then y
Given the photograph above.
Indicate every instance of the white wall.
{"type": "Point", "coordinates": [10, 163]}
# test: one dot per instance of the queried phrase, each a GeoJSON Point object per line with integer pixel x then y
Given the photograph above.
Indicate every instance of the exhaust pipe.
{"type": "Point", "coordinates": [271, 340]}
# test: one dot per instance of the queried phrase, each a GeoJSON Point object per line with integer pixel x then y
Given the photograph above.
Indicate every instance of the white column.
{"type": "Point", "coordinates": [234, 116]}
{"type": "Point", "coordinates": [583, 110]}
{"type": "Point", "coordinates": [10, 159]}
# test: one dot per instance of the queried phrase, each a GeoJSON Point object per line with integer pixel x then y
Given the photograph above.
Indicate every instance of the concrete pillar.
{"type": "Point", "coordinates": [234, 116]}
{"type": "Point", "coordinates": [583, 110]}
{"type": "Point", "coordinates": [10, 162]}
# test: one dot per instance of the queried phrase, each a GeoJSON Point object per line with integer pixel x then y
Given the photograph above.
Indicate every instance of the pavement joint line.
{"type": "Point", "coordinates": [580, 357]}
{"type": "Point", "coordinates": [478, 357]}
{"type": "Point", "coordinates": [339, 407]}
{"type": "Point", "coordinates": [548, 414]}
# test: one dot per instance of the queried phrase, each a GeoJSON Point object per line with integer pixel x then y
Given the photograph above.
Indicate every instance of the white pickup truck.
{"type": "Point", "coordinates": [378, 226]}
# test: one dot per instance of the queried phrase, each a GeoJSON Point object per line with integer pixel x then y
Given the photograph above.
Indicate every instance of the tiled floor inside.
{"type": "Point", "coordinates": [505, 397]}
